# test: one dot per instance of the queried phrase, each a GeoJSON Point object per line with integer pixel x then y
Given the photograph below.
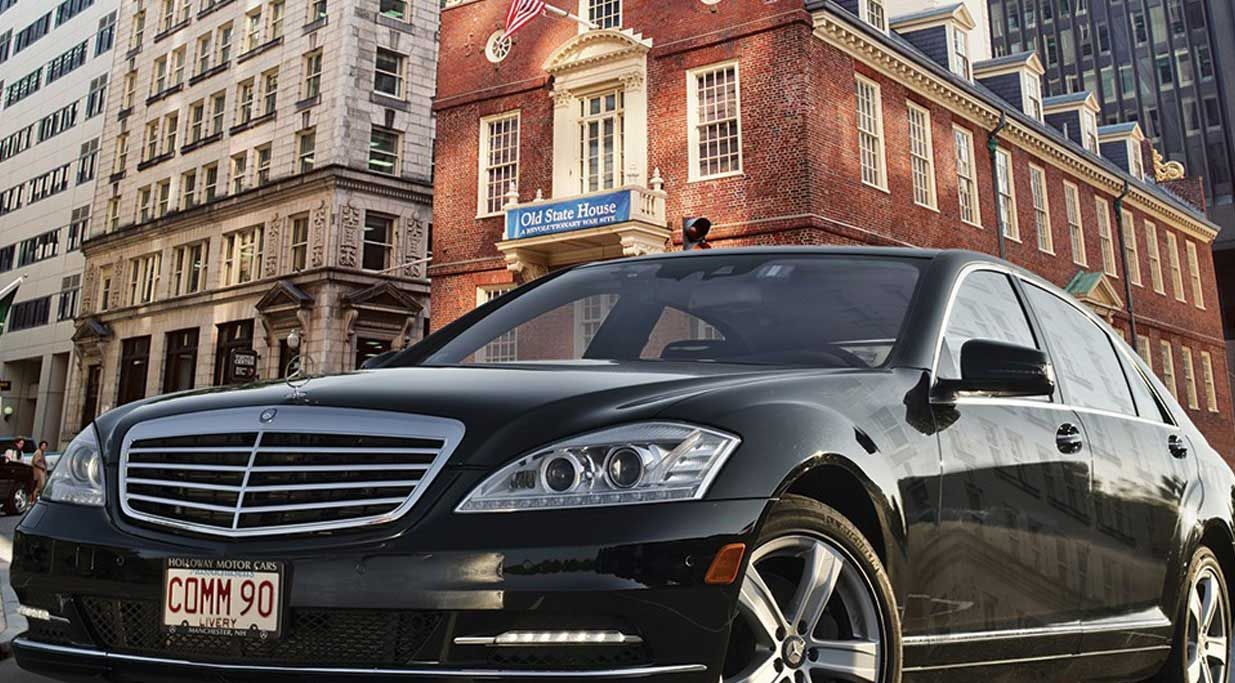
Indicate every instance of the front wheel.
{"type": "Point", "coordinates": [1203, 627]}
{"type": "Point", "coordinates": [18, 502]}
{"type": "Point", "coordinates": [816, 605]}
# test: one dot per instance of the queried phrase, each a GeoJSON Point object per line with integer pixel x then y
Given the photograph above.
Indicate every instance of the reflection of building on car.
{"type": "Point", "coordinates": [763, 465]}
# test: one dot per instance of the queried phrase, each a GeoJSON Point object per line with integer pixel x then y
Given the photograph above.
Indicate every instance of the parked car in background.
{"type": "Point", "coordinates": [16, 487]}
{"type": "Point", "coordinates": [763, 465]}
{"type": "Point", "coordinates": [8, 443]}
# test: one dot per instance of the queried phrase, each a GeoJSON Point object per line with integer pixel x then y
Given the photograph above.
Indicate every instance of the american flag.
{"type": "Point", "coordinates": [521, 12]}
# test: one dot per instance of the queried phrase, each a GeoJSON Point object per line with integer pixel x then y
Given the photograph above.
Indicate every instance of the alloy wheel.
{"type": "Point", "coordinates": [809, 615]}
{"type": "Point", "coordinates": [1208, 636]}
{"type": "Point", "coordinates": [20, 501]}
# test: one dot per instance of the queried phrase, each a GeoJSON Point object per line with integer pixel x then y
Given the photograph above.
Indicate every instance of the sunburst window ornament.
{"type": "Point", "coordinates": [499, 47]}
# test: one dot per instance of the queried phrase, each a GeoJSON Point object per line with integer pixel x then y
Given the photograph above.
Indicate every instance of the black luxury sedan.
{"type": "Point", "coordinates": [765, 465]}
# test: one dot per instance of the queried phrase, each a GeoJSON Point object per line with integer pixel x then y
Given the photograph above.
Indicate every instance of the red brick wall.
{"type": "Point", "coordinates": [801, 182]}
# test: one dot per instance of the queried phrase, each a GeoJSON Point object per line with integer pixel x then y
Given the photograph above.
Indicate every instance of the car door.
{"type": "Point", "coordinates": [1139, 478]}
{"type": "Point", "coordinates": [1016, 503]}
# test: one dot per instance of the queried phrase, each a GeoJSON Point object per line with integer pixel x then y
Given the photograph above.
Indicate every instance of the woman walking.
{"type": "Point", "coordinates": [39, 463]}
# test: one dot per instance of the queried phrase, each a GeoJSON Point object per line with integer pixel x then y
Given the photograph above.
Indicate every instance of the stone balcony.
{"type": "Point", "coordinates": [545, 234]}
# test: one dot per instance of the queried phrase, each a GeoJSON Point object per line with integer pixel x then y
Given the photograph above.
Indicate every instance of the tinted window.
{"type": "Point", "coordinates": [773, 309]}
{"type": "Point", "coordinates": [986, 307]}
{"type": "Point", "coordinates": [1147, 404]}
{"type": "Point", "coordinates": [1084, 359]}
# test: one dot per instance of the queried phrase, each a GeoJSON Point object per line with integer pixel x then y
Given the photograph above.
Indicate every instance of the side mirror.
{"type": "Point", "coordinates": [994, 368]}
{"type": "Point", "coordinates": [379, 360]}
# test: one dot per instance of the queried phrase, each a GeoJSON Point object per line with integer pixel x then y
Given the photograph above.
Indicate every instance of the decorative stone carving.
{"type": "Point", "coordinates": [563, 98]}
{"type": "Point", "coordinates": [349, 236]}
{"type": "Point", "coordinates": [416, 231]}
{"type": "Point", "coordinates": [117, 283]}
{"type": "Point", "coordinates": [633, 81]}
{"type": "Point", "coordinates": [274, 245]}
{"type": "Point", "coordinates": [318, 229]}
{"type": "Point", "coordinates": [89, 286]}
{"type": "Point", "coordinates": [526, 266]}
{"type": "Point", "coordinates": [1167, 170]}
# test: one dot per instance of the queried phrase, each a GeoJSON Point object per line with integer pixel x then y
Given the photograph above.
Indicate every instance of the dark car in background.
{"type": "Point", "coordinates": [16, 478]}
{"type": "Point", "coordinates": [764, 465]}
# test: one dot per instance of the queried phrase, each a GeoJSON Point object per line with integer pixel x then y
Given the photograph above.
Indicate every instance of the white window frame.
{"type": "Point", "coordinates": [1155, 258]}
{"type": "Point", "coordinates": [185, 274]}
{"type": "Point", "coordinates": [875, 93]}
{"type": "Point", "coordinates": [1144, 348]}
{"type": "Point", "coordinates": [1194, 274]}
{"type": "Point", "coordinates": [1076, 224]}
{"type": "Point", "coordinates": [877, 19]}
{"type": "Point", "coordinates": [1041, 209]}
{"type": "Point", "coordinates": [144, 275]}
{"type": "Point", "coordinates": [508, 343]}
{"type": "Point", "coordinates": [1177, 273]}
{"type": "Point", "coordinates": [1005, 187]}
{"type": "Point", "coordinates": [1168, 367]}
{"type": "Point", "coordinates": [694, 126]}
{"type": "Point", "coordinates": [959, 61]}
{"type": "Point", "coordinates": [1189, 367]}
{"type": "Point", "coordinates": [398, 75]}
{"type": "Point", "coordinates": [1207, 376]}
{"type": "Point", "coordinates": [922, 156]}
{"type": "Point", "coordinates": [1106, 237]}
{"type": "Point", "coordinates": [962, 138]}
{"type": "Point", "coordinates": [1132, 251]}
{"type": "Point", "coordinates": [234, 244]}
{"type": "Point", "coordinates": [299, 248]}
{"type": "Point", "coordinates": [1031, 86]}
{"type": "Point", "coordinates": [483, 175]}
{"type": "Point", "coordinates": [585, 11]}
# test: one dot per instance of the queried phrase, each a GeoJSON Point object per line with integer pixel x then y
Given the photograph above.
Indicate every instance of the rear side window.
{"type": "Point", "coordinates": [1083, 356]}
{"type": "Point", "coordinates": [986, 307]}
{"type": "Point", "coordinates": [1147, 404]}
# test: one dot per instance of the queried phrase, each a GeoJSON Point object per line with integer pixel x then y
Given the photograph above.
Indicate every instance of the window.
{"type": "Point", "coordinates": [872, 12]}
{"type": "Point", "coordinates": [134, 369]}
{"type": "Point", "coordinates": [1105, 237]}
{"type": "Point", "coordinates": [197, 121]}
{"type": "Point", "coordinates": [1189, 378]}
{"type": "Point", "coordinates": [97, 96]}
{"type": "Point", "coordinates": [242, 255]}
{"type": "Point", "coordinates": [1205, 62]}
{"type": "Point", "coordinates": [1183, 64]}
{"type": "Point", "coordinates": [504, 349]}
{"type": "Point", "coordinates": [966, 177]}
{"type": "Point", "coordinates": [180, 363]}
{"type": "Point", "coordinates": [1177, 275]}
{"type": "Point", "coordinates": [210, 184]}
{"type": "Point", "coordinates": [70, 292]}
{"type": "Point", "coordinates": [105, 36]}
{"type": "Point", "coordinates": [188, 190]}
{"type": "Point", "coordinates": [217, 108]}
{"type": "Point", "coordinates": [275, 29]}
{"type": "Point", "coordinates": [384, 151]}
{"type": "Point", "coordinates": [130, 89]}
{"type": "Point", "coordinates": [189, 265]}
{"type": "Point", "coordinates": [1168, 368]}
{"type": "Point", "coordinates": [240, 169]}
{"type": "Point", "coordinates": [960, 53]}
{"type": "Point", "coordinates": [601, 131]}
{"type": "Point", "coordinates": [233, 337]}
{"type": "Point", "coordinates": [1032, 86]}
{"type": "Point", "coordinates": [167, 18]}
{"type": "Point", "coordinates": [270, 91]}
{"type": "Point", "coordinates": [205, 50]}
{"type": "Point", "coordinates": [1084, 357]}
{"type": "Point", "coordinates": [78, 223]}
{"type": "Point", "coordinates": [178, 60]}
{"type": "Point", "coordinates": [1143, 349]}
{"type": "Point", "coordinates": [151, 145]}
{"type": "Point", "coordinates": [159, 84]}
{"type": "Point", "coordinates": [313, 74]}
{"type": "Point", "coordinates": [317, 10]}
{"type": "Point", "coordinates": [499, 158]}
{"type": "Point", "coordinates": [870, 133]}
{"type": "Point", "coordinates": [67, 61]}
{"type": "Point", "coordinates": [715, 122]}
{"type": "Point", "coordinates": [1207, 376]}
{"type": "Point", "coordinates": [388, 77]}
{"type": "Point", "coordinates": [145, 209]}
{"type": "Point", "coordinates": [300, 243]}
{"type": "Point", "coordinates": [986, 307]}
{"type": "Point", "coordinates": [223, 43]}
{"type": "Point", "coordinates": [87, 161]}
{"type": "Point", "coordinates": [253, 30]}
{"type": "Point", "coordinates": [144, 274]}
{"type": "Point", "coordinates": [1005, 185]}
{"type": "Point", "coordinates": [1131, 251]}
{"type": "Point", "coordinates": [1194, 273]}
{"type": "Point", "coordinates": [171, 127]}
{"type": "Point", "coordinates": [306, 149]}
{"type": "Point", "coordinates": [1076, 230]}
{"type": "Point", "coordinates": [395, 9]}
{"type": "Point", "coordinates": [1041, 209]}
{"type": "Point", "coordinates": [263, 164]}
{"type": "Point", "coordinates": [29, 314]}
{"type": "Point", "coordinates": [245, 92]}
{"type": "Point", "coordinates": [165, 197]}
{"type": "Point", "coordinates": [605, 13]}
{"type": "Point", "coordinates": [1155, 258]}
{"type": "Point", "coordinates": [39, 248]}
{"type": "Point", "coordinates": [138, 29]}
{"type": "Point", "coordinates": [921, 156]}
{"type": "Point", "coordinates": [378, 242]}
{"type": "Point", "coordinates": [113, 213]}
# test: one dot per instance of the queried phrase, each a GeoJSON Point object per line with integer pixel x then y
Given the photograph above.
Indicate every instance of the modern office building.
{"type": "Point", "coordinates": [824, 122]}
{"type": "Point", "coordinates": [1166, 64]}
{"type": "Point", "coordinates": [266, 180]}
{"type": "Point", "coordinates": [55, 58]}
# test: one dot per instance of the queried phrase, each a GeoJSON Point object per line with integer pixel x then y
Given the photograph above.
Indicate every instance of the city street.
{"type": "Point", "coordinates": [8, 668]}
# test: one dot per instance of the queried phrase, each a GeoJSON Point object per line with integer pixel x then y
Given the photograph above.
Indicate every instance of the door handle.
{"type": "Point", "coordinates": [1069, 439]}
{"type": "Point", "coordinates": [1177, 446]}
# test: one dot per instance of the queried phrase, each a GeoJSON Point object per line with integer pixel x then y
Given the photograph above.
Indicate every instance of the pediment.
{"type": "Point", "coordinates": [284, 293]}
{"type": "Point", "coordinates": [595, 48]}
{"type": "Point", "coordinates": [1096, 290]}
{"type": "Point", "coordinates": [383, 295]}
{"type": "Point", "coordinates": [91, 329]}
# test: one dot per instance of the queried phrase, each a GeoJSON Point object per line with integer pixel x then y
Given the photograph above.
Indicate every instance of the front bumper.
{"type": "Point", "coordinates": [390, 607]}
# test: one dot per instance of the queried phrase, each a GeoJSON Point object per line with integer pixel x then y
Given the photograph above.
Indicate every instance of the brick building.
{"type": "Point", "coordinates": [794, 122]}
{"type": "Point", "coordinates": [265, 169]}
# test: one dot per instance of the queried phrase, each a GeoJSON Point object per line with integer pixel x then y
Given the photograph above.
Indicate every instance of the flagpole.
{"type": "Point", "coordinates": [11, 286]}
{"type": "Point", "coordinates": [563, 14]}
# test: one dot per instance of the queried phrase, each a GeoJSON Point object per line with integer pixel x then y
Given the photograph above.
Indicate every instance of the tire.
{"type": "Point", "coordinates": [18, 502]}
{"type": "Point", "coordinates": [1205, 581]}
{"type": "Point", "coordinates": [856, 634]}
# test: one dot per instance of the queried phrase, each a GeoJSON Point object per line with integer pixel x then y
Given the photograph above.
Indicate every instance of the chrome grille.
{"type": "Point", "coordinates": [290, 469]}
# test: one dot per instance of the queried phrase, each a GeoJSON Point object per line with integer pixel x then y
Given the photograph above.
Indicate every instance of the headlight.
{"type": "Point", "coordinates": [639, 463]}
{"type": "Point", "coordinates": [78, 477]}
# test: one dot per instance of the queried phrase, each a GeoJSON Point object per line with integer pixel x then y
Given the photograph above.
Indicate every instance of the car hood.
{"type": "Point", "coordinates": [506, 410]}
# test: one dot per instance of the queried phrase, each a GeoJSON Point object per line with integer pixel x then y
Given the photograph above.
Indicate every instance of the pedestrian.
{"type": "Point", "coordinates": [13, 454]}
{"type": "Point", "coordinates": [39, 463]}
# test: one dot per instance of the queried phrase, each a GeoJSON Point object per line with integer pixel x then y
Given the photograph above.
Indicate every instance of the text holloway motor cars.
{"type": "Point", "coordinates": [753, 465]}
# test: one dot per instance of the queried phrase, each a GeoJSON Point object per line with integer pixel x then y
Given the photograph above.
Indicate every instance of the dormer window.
{"type": "Point", "coordinates": [872, 12]}
{"type": "Point", "coordinates": [1136, 164]}
{"type": "Point", "coordinates": [1032, 87]}
{"type": "Point", "coordinates": [960, 53]}
{"type": "Point", "coordinates": [1089, 131]}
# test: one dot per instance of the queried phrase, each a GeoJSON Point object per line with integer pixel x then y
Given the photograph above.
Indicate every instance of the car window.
{"type": "Point", "coordinates": [1147, 404]}
{"type": "Point", "coordinates": [986, 307]}
{"type": "Point", "coordinates": [1084, 359]}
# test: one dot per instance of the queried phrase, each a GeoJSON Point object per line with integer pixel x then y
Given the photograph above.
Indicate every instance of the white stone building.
{"type": "Point", "coordinates": [55, 58]}
{"type": "Point", "coordinates": [266, 169]}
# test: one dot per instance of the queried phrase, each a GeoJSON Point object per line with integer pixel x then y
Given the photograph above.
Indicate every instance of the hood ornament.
{"type": "Point", "coordinates": [297, 379]}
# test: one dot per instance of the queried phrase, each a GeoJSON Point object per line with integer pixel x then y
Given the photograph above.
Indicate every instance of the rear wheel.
{"type": "Point", "coordinates": [1203, 628]}
{"type": "Point", "coordinates": [815, 606]}
{"type": "Point", "coordinates": [18, 502]}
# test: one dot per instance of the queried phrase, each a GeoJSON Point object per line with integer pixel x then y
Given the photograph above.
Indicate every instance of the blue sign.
{"type": "Point", "coordinates": [580, 213]}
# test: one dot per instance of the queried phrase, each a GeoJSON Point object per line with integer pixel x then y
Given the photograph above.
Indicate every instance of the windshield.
{"type": "Point", "coordinates": [767, 309]}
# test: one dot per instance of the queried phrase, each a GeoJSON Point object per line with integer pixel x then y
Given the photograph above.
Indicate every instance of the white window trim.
{"type": "Point", "coordinates": [400, 76]}
{"type": "Point", "coordinates": [482, 167]}
{"type": "Point", "coordinates": [1012, 230]}
{"type": "Point", "coordinates": [955, 65]}
{"type": "Point", "coordinates": [1189, 367]}
{"type": "Point", "coordinates": [1168, 368]}
{"type": "Point", "coordinates": [692, 120]}
{"type": "Point", "coordinates": [1044, 230]}
{"type": "Point", "coordinates": [1177, 272]}
{"type": "Point", "coordinates": [932, 186]}
{"type": "Point", "coordinates": [973, 180]}
{"type": "Point", "coordinates": [880, 135]}
{"type": "Point", "coordinates": [864, 13]}
{"type": "Point", "coordinates": [1132, 249]}
{"type": "Point", "coordinates": [1106, 238]}
{"type": "Point", "coordinates": [1155, 258]}
{"type": "Point", "coordinates": [585, 12]}
{"type": "Point", "coordinates": [1080, 258]}
{"type": "Point", "coordinates": [1194, 274]}
{"type": "Point", "coordinates": [1207, 376]}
